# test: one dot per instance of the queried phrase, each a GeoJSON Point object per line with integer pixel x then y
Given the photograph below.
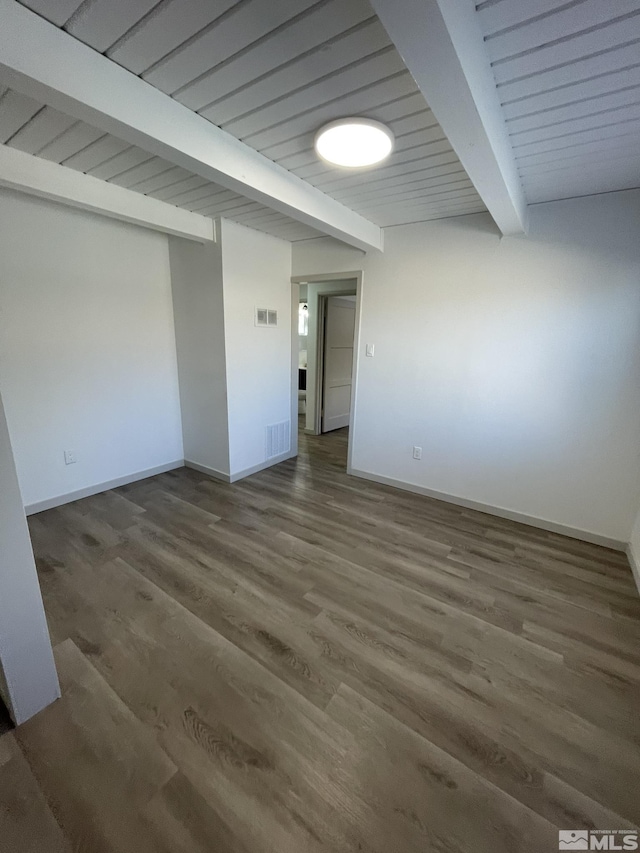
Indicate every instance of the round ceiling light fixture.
{"type": "Point", "coordinates": [354, 142]}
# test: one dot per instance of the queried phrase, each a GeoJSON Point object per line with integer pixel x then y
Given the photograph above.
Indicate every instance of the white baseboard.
{"type": "Point", "coordinates": [635, 565]}
{"type": "Point", "coordinates": [532, 521]}
{"type": "Point", "coordinates": [88, 491]}
{"type": "Point", "coordinates": [275, 460]}
{"type": "Point", "coordinates": [239, 475]}
{"type": "Point", "coordinates": [210, 472]}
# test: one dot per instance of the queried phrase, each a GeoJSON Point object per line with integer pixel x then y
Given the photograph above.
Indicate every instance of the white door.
{"type": "Point", "coordinates": [339, 331]}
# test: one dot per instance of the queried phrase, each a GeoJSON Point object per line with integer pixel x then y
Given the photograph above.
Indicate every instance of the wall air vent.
{"type": "Point", "coordinates": [267, 317]}
{"type": "Point", "coordinates": [278, 439]}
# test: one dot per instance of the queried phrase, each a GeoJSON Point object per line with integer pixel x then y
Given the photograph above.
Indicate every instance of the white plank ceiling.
{"type": "Point", "coordinates": [39, 129]}
{"type": "Point", "coordinates": [568, 76]}
{"type": "Point", "coordinates": [270, 73]}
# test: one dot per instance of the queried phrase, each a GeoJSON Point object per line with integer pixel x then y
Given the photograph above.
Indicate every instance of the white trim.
{"type": "Point", "coordinates": [88, 491]}
{"type": "Point", "coordinates": [325, 276]}
{"type": "Point", "coordinates": [261, 466]}
{"type": "Point", "coordinates": [500, 512]}
{"type": "Point", "coordinates": [44, 179]}
{"type": "Point", "coordinates": [46, 63]}
{"type": "Point", "coordinates": [317, 374]}
{"type": "Point", "coordinates": [355, 370]}
{"type": "Point", "coordinates": [210, 472]}
{"type": "Point", "coordinates": [635, 565]}
{"type": "Point", "coordinates": [442, 45]}
{"type": "Point", "coordinates": [295, 366]}
{"type": "Point", "coordinates": [240, 475]}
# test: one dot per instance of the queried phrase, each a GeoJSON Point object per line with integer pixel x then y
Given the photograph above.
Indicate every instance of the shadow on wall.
{"type": "Point", "coordinates": [5, 720]}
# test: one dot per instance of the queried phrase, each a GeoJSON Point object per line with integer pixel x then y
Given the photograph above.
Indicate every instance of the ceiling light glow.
{"type": "Point", "coordinates": [354, 142]}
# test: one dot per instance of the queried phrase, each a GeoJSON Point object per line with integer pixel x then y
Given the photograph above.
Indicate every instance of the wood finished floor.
{"type": "Point", "coordinates": [305, 662]}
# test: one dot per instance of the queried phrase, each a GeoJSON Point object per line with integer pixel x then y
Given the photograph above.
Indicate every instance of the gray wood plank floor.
{"type": "Point", "coordinates": [305, 661]}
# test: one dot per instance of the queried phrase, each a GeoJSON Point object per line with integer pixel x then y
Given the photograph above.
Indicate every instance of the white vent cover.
{"type": "Point", "coordinates": [278, 439]}
{"type": "Point", "coordinates": [266, 317]}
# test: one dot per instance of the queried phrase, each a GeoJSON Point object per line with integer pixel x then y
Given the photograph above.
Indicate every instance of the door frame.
{"type": "Point", "coordinates": [357, 276]}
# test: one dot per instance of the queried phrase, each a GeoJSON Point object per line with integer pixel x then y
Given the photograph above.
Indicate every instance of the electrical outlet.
{"type": "Point", "coordinates": [417, 452]}
{"type": "Point", "coordinates": [70, 457]}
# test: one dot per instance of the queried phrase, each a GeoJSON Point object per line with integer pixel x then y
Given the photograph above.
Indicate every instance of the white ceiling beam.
{"type": "Point", "coordinates": [442, 45]}
{"type": "Point", "coordinates": [46, 63]}
{"type": "Point", "coordinates": [44, 179]}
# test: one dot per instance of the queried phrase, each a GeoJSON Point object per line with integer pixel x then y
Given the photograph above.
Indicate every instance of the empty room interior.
{"type": "Point", "coordinates": [319, 426]}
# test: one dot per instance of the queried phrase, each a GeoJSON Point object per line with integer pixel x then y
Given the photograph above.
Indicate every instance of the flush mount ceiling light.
{"type": "Point", "coordinates": [354, 142]}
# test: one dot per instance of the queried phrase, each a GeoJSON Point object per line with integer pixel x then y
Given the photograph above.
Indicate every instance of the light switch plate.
{"type": "Point", "coordinates": [69, 457]}
{"type": "Point", "coordinates": [370, 350]}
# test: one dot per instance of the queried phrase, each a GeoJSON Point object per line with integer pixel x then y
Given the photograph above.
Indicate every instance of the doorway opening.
{"type": "Point", "coordinates": [325, 350]}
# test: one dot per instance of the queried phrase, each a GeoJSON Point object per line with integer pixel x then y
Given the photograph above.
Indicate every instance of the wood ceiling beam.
{"type": "Point", "coordinates": [442, 45]}
{"type": "Point", "coordinates": [44, 179]}
{"type": "Point", "coordinates": [46, 63]}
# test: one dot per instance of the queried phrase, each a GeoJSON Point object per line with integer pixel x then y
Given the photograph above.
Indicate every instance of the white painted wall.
{"type": "Point", "coordinates": [196, 275]}
{"type": "Point", "coordinates": [87, 347]}
{"type": "Point", "coordinates": [514, 362]}
{"type": "Point", "coordinates": [256, 273]}
{"type": "Point", "coordinates": [28, 680]}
